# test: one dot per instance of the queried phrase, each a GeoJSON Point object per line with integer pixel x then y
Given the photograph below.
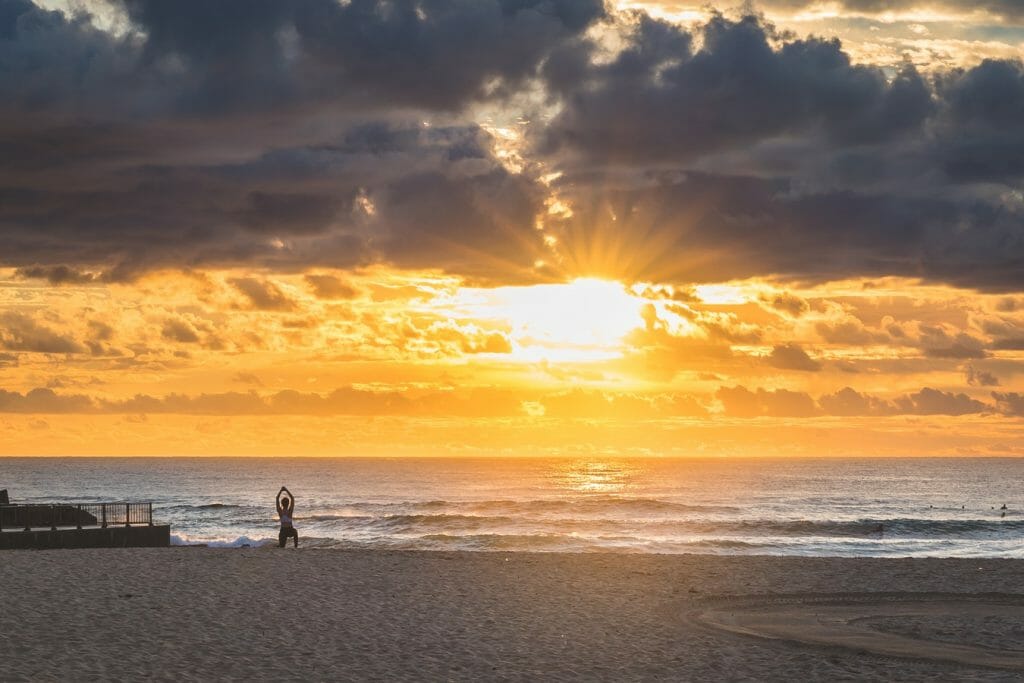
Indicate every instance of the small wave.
{"type": "Point", "coordinates": [953, 527]}
{"type": "Point", "coordinates": [239, 542]}
{"type": "Point", "coordinates": [908, 527]}
{"type": "Point", "coordinates": [667, 526]}
{"type": "Point", "coordinates": [444, 523]}
{"type": "Point", "coordinates": [352, 519]}
{"type": "Point", "coordinates": [249, 542]}
{"type": "Point", "coordinates": [599, 505]}
{"type": "Point", "coordinates": [572, 544]}
{"type": "Point", "coordinates": [511, 542]}
{"type": "Point", "coordinates": [405, 523]}
{"type": "Point", "coordinates": [613, 506]}
{"type": "Point", "coordinates": [204, 506]}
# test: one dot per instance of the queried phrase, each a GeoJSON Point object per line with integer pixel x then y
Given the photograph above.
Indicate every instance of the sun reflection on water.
{"type": "Point", "coordinates": [604, 477]}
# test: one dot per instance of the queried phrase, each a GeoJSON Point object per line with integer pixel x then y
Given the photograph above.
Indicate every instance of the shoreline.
{"type": "Point", "coordinates": [201, 613]}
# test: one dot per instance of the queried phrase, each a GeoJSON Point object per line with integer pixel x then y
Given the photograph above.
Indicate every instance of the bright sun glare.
{"type": "Point", "coordinates": [586, 319]}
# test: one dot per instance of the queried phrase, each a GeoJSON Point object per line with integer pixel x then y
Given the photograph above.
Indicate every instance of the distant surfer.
{"type": "Point", "coordinates": [1004, 507]}
{"type": "Point", "coordinates": [285, 509]}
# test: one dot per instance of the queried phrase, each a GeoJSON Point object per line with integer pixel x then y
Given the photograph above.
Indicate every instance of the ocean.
{"type": "Point", "coordinates": [907, 507]}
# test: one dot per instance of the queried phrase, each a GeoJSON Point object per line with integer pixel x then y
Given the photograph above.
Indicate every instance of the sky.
{"type": "Point", "coordinates": [512, 227]}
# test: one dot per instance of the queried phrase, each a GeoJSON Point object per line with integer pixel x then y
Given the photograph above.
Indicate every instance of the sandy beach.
{"type": "Point", "coordinates": [267, 614]}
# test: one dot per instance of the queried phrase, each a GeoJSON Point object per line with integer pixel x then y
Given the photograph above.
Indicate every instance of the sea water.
{"type": "Point", "coordinates": [826, 507]}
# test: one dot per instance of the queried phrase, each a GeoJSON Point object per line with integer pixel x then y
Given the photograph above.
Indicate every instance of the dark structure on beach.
{"type": "Point", "coordinates": [29, 516]}
{"type": "Point", "coordinates": [93, 525]}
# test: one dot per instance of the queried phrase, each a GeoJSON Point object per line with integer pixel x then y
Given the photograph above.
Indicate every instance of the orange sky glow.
{"type": "Point", "coordinates": [525, 270]}
{"type": "Point", "coordinates": [397, 363]}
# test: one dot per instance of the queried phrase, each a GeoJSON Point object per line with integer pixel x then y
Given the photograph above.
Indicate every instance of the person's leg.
{"type": "Point", "coordinates": [295, 536]}
{"type": "Point", "coordinates": [282, 536]}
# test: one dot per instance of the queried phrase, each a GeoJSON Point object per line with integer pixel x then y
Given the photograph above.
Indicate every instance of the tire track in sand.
{"type": "Point", "coordinates": [845, 621]}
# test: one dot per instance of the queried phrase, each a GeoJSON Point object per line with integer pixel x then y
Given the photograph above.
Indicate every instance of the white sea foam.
{"type": "Point", "coordinates": [239, 542]}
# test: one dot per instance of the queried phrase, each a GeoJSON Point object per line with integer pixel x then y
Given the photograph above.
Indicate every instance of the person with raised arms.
{"type": "Point", "coordinates": [285, 510]}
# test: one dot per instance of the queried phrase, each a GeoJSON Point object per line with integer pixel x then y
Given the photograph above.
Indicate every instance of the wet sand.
{"type": "Point", "coordinates": [270, 614]}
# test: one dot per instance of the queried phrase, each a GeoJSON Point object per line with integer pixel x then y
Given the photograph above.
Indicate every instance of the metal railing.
{"type": "Point", "coordinates": [27, 517]}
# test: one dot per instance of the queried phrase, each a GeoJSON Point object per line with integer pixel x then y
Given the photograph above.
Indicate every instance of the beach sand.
{"type": "Point", "coordinates": [270, 614]}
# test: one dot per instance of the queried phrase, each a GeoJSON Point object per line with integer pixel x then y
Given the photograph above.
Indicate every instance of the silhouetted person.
{"type": "Point", "coordinates": [1004, 507]}
{"type": "Point", "coordinates": [285, 509]}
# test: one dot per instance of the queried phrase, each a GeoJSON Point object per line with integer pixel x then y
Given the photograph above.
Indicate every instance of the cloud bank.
{"type": "Point", "coordinates": [732, 402]}
{"type": "Point", "coordinates": [294, 135]}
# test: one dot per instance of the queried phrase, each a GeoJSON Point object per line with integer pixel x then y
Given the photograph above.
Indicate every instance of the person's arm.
{"type": "Point", "coordinates": [291, 497]}
{"type": "Point", "coordinates": [277, 501]}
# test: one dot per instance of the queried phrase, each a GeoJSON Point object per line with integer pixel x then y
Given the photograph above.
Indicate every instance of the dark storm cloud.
{"type": "Point", "coordinates": [985, 122]}
{"type": "Point", "coordinates": [713, 228]}
{"type": "Point", "coordinates": [435, 220]}
{"type": "Point", "coordinates": [302, 213]}
{"type": "Point", "coordinates": [230, 133]}
{"type": "Point", "coordinates": [290, 135]}
{"type": "Point", "coordinates": [1008, 10]}
{"type": "Point", "coordinates": [439, 53]}
{"type": "Point", "coordinates": [204, 58]}
{"type": "Point", "coordinates": [424, 197]}
{"type": "Point", "coordinates": [671, 103]}
{"type": "Point", "coordinates": [57, 275]}
{"type": "Point", "coordinates": [760, 154]}
{"type": "Point", "coordinates": [62, 65]}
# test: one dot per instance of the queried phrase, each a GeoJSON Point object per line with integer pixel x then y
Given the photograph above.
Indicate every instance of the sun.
{"type": "Point", "coordinates": [585, 319]}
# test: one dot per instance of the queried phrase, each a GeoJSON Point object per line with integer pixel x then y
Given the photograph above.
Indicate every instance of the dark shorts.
{"type": "Point", "coordinates": [286, 533]}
